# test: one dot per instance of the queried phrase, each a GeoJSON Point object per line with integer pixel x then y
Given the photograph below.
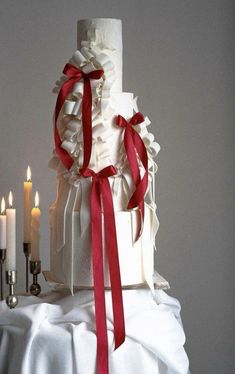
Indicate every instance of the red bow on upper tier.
{"type": "Point", "coordinates": [134, 146]}
{"type": "Point", "coordinates": [101, 199]}
{"type": "Point", "coordinates": [76, 75]}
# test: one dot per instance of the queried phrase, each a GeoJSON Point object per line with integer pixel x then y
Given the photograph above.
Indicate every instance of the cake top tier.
{"type": "Point", "coordinates": [106, 33]}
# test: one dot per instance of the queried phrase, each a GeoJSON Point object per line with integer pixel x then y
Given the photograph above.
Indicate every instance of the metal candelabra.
{"type": "Point", "coordinates": [11, 278]}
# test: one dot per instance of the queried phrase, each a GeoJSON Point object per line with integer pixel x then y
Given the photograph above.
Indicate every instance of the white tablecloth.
{"type": "Point", "coordinates": [55, 334]}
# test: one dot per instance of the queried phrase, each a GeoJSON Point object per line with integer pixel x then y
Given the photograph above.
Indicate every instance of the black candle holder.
{"type": "Point", "coordinates": [35, 269]}
{"type": "Point", "coordinates": [2, 260]}
{"type": "Point", "coordinates": [27, 251]}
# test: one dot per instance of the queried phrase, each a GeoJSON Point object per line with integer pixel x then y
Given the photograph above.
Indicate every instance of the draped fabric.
{"type": "Point", "coordinates": [55, 333]}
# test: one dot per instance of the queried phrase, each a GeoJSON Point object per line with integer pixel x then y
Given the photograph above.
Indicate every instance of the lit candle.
{"type": "Point", "coordinates": [35, 230]}
{"type": "Point", "coordinates": [11, 235]}
{"type": "Point", "coordinates": [27, 206]}
{"type": "Point", "coordinates": [3, 225]}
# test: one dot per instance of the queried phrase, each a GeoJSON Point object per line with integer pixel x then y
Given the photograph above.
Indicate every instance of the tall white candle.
{"type": "Point", "coordinates": [11, 235]}
{"type": "Point", "coordinates": [3, 225]}
{"type": "Point", "coordinates": [27, 207]}
{"type": "Point", "coordinates": [35, 230]}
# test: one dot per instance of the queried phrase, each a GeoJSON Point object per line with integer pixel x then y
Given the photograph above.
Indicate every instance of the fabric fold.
{"type": "Point", "coordinates": [64, 326]}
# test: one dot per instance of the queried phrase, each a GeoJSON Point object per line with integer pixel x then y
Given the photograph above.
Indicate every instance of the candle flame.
{"type": "Point", "coordinates": [28, 174]}
{"type": "Point", "coordinates": [10, 199]}
{"type": "Point", "coordinates": [3, 206]}
{"type": "Point", "coordinates": [36, 199]}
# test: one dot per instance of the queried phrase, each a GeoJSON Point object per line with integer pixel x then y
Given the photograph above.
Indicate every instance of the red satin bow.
{"type": "Point", "coordinates": [76, 75]}
{"type": "Point", "coordinates": [134, 146]}
{"type": "Point", "coordinates": [101, 198]}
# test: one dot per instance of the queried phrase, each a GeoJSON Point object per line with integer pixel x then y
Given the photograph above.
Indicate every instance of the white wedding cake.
{"type": "Point", "coordinates": [102, 234]}
{"type": "Point", "coordinates": [100, 47]}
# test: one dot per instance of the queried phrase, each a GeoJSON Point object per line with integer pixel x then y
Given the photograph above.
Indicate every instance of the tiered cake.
{"type": "Point", "coordinates": [100, 47]}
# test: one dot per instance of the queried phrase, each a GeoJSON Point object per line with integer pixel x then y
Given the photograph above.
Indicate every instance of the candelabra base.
{"type": "Point", "coordinates": [35, 289]}
{"type": "Point", "coordinates": [35, 269]}
{"type": "Point", "coordinates": [12, 299]}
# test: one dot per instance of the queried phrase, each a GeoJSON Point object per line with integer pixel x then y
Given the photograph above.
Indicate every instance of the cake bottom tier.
{"type": "Point", "coordinates": [71, 263]}
{"type": "Point", "coordinates": [55, 334]}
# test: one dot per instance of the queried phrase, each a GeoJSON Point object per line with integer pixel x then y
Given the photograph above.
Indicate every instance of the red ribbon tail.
{"type": "Point", "coordinates": [98, 274]}
{"type": "Point", "coordinates": [131, 154]}
{"type": "Point", "coordinates": [137, 198]}
{"type": "Point", "coordinates": [113, 260]}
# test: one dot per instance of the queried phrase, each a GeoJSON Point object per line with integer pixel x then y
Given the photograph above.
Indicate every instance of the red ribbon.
{"type": "Point", "coordinates": [101, 198]}
{"type": "Point", "coordinates": [134, 146]}
{"type": "Point", "coordinates": [75, 75]}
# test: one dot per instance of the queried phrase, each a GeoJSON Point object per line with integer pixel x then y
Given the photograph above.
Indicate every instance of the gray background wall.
{"type": "Point", "coordinates": [179, 59]}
